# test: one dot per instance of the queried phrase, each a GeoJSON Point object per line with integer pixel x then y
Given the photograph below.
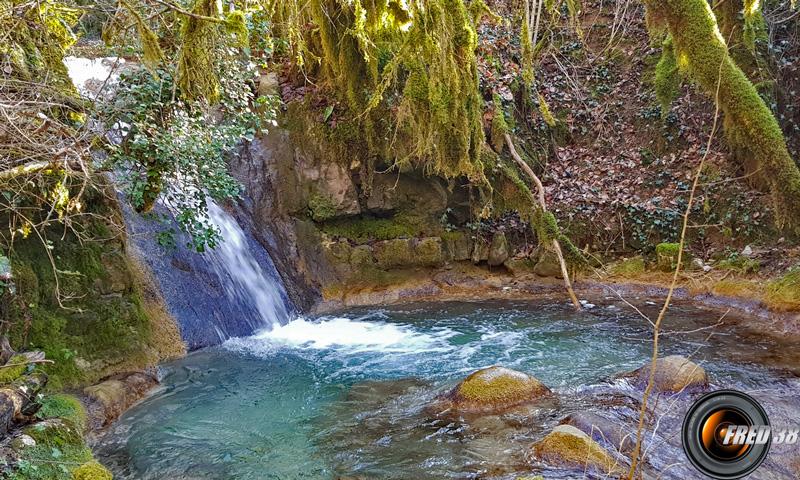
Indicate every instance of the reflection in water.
{"type": "Point", "coordinates": [345, 396]}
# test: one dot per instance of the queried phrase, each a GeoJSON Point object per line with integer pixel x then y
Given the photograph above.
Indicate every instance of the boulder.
{"type": "Point", "coordinates": [393, 253]}
{"type": "Point", "coordinates": [493, 390]}
{"type": "Point", "coordinates": [480, 251]}
{"type": "Point", "coordinates": [519, 266]}
{"type": "Point", "coordinates": [603, 430]}
{"type": "Point", "coordinates": [428, 252]}
{"type": "Point", "coordinates": [674, 373]}
{"type": "Point", "coordinates": [566, 446]}
{"type": "Point", "coordinates": [498, 249]}
{"type": "Point", "coordinates": [458, 246]}
{"type": "Point", "coordinates": [106, 401]}
{"type": "Point", "coordinates": [548, 265]}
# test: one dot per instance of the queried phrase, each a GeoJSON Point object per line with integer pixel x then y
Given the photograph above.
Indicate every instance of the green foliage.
{"type": "Point", "coordinates": [739, 263]}
{"type": "Point", "coordinates": [63, 406]}
{"type": "Point", "coordinates": [750, 126]}
{"type": "Point", "coordinates": [17, 366]}
{"type": "Point", "coordinates": [175, 150]}
{"type": "Point", "coordinates": [59, 448]}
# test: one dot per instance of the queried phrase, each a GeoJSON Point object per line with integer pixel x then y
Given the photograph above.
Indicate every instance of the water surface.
{"type": "Point", "coordinates": [344, 396]}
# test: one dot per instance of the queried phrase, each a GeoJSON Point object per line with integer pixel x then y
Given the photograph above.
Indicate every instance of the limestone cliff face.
{"type": "Point", "coordinates": [330, 224]}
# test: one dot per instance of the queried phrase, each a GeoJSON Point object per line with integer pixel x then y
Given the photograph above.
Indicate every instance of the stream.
{"type": "Point", "coordinates": [344, 396]}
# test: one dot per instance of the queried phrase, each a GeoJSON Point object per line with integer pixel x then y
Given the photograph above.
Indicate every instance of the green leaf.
{"type": "Point", "coordinates": [328, 112]}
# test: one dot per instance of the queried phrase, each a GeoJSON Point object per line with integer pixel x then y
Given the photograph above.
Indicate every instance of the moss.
{"type": "Point", "coordinates": [91, 471]}
{"type": "Point", "coordinates": [11, 373]}
{"type": "Point", "coordinates": [393, 253]}
{"type": "Point", "coordinates": [196, 74]}
{"type": "Point", "coordinates": [568, 446]}
{"type": "Point", "coordinates": [667, 78]}
{"type": "Point", "coordinates": [544, 110]}
{"type": "Point", "coordinates": [321, 207]}
{"type": "Point", "coordinates": [628, 268]}
{"type": "Point", "coordinates": [667, 256]}
{"type": "Point", "coordinates": [428, 252]}
{"type": "Point", "coordinates": [106, 328]}
{"type": "Point", "coordinates": [783, 293]}
{"type": "Point", "coordinates": [751, 127]}
{"type": "Point", "coordinates": [496, 388]}
{"type": "Point", "coordinates": [365, 229]}
{"type": "Point", "coordinates": [499, 125]}
{"type": "Point", "coordinates": [63, 406]}
{"type": "Point", "coordinates": [59, 447]}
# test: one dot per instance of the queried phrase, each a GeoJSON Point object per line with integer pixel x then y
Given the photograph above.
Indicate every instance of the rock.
{"type": "Point", "coordinates": [412, 191]}
{"type": "Point", "coordinates": [498, 250]}
{"type": "Point", "coordinates": [393, 253]}
{"type": "Point", "coordinates": [428, 252]}
{"type": "Point", "coordinates": [748, 251]}
{"type": "Point", "coordinates": [17, 396]}
{"type": "Point", "coordinates": [603, 430]}
{"type": "Point", "coordinates": [458, 246]}
{"type": "Point", "coordinates": [569, 447]}
{"type": "Point", "coordinates": [674, 373]}
{"type": "Point", "coordinates": [480, 251]}
{"type": "Point", "coordinates": [361, 257]}
{"type": "Point", "coordinates": [548, 265]}
{"type": "Point", "coordinates": [493, 390]}
{"type": "Point", "coordinates": [106, 401]}
{"type": "Point", "coordinates": [519, 266]}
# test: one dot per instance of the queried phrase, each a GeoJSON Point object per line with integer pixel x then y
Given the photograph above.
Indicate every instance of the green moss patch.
{"type": "Point", "coordinates": [63, 406]}
{"type": "Point", "coordinates": [14, 369]}
{"type": "Point", "coordinates": [91, 471]}
{"type": "Point", "coordinates": [784, 293]}
{"type": "Point", "coordinates": [365, 229]}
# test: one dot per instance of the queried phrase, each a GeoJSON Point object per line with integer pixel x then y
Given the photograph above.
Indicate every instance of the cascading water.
{"type": "Point", "coordinates": [244, 279]}
{"type": "Point", "coordinates": [229, 291]}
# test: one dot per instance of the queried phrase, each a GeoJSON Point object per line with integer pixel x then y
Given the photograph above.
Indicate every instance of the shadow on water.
{"type": "Point", "coordinates": [346, 397]}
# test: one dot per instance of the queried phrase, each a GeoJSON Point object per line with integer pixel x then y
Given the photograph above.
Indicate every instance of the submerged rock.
{"type": "Point", "coordinates": [569, 447]}
{"type": "Point", "coordinates": [674, 373]}
{"type": "Point", "coordinates": [493, 390]}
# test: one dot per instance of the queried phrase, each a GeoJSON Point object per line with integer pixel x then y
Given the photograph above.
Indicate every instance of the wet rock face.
{"type": "Point", "coordinates": [493, 390]}
{"type": "Point", "coordinates": [674, 374]}
{"type": "Point", "coordinates": [569, 447]}
{"type": "Point", "coordinates": [106, 401]}
{"type": "Point", "coordinates": [498, 250]}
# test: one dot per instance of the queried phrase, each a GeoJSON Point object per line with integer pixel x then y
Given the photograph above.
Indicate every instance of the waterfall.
{"type": "Point", "coordinates": [243, 279]}
{"type": "Point", "coordinates": [232, 290]}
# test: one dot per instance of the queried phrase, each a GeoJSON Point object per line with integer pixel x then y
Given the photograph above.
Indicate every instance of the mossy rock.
{"type": "Point", "coordinates": [480, 251]}
{"type": "Point", "coordinates": [55, 432]}
{"type": "Point", "coordinates": [667, 256]}
{"type": "Point", "coordinates": [674, 373]}
{"type": "Point", "coordinates": [548, 265]}
{"type": "Point", "coordinates": [91, 471]}
{"type": "Point", "coordinates": [63, 406]}
{"type": "Point", "coordinates": [321, 207]}
{"type": "Point", "coordinates": [495, 390]}
{"type": "Point", "coordinates": [498, 249]}
{"type": "Point", "coordinates": [519, 266]}
{"type": "Point", "coordinates": [458, 246]}
{"type": "Point", "coordinates": [428, 252]}
{"type": "Point", "coordinates": [17, 365]}
{"type": "Point", "coordinates": [362, 257]}
{"type": "Point", "coordinates": [629, 267]}
{"type": "Point", "coordinates": [566, 446]}
{"type": "Point", "coordinates": [393, 253]}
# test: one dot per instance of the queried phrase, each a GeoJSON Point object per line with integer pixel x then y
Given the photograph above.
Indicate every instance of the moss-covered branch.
{"type": "Point", "coordinates": [702, 52]}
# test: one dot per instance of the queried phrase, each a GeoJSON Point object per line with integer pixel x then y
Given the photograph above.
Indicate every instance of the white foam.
{"type": "Point", "coordinates": [344, 334]}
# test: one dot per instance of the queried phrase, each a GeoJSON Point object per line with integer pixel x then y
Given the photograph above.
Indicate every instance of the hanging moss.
{"type": "Point", "coordinates": [196, 76]}
{"type": "Point", "coordinates": [544, 109]}
{"type": "Point", "coordinates": [499, 125]}
{"type": "Point", "coordinates": [700, 47]}
{"type": "Point", "coordinates": [668, 79]}
{"type": "Point", "coordinates": [152, 55]}
{"type": "Point", "coordinates": [236, 24]}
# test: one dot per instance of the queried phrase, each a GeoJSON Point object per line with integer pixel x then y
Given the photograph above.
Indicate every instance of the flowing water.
{"type": "Point", "coordinates": [344, 396]}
